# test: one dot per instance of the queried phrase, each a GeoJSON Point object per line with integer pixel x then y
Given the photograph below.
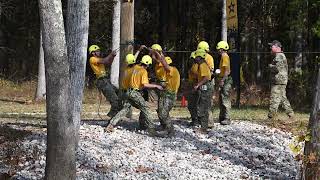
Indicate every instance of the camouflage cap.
{"type": "Point", "coordinates": [275, 42]}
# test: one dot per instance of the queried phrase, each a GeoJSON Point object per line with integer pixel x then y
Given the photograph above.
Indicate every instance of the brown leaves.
{"type": "Point", "coordinates": [312, 158]}
{"type": "Point", "coordinates": [130, 152]}
{"type": "Point", "coordinates": [143, 169]}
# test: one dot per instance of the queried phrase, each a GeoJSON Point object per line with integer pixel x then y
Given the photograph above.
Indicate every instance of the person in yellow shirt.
{"type": "Point", "coordinates": [126, 107]}
{"type": "Point", "coordinates": [225, 83]}
{"type": "Point", "coordinates": [138, 81]}
{"type": "Point", "coordinates": [98, 65]}
{"type": "Point", "coordinates": [200, 77]}
{"type": "Point", "coordinates": [210, 61]}
{"type": "Point", "coordinates": [160, 62]}
{"type": "Point", "coordinates": [208, 58]}
{"type": "Point", "coordinates": [170, 81]}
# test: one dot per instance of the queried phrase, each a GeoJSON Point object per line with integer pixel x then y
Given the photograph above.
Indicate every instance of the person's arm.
{"type": "Point", "coordinates": [109, 59]}
{"type": "Point", "coordinates": [160, 59]}
{"type": "Point", "coordinates": [203, 81]}
{"type": "Point", "coordinates": [139, 50]}
{"type": "Point", "coordinates": [226, 63]}
{"type": "Point", "coordinates": [226, 73]}
{"type": "Point", "coordinates": [152, 86]}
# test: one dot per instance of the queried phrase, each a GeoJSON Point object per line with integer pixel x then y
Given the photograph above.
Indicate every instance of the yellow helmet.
{"type": "Point", "coordinates": [203, 45]}
{"type": "Point", "coordinates": [146, 59]}
{"type": "Point", "coordinates": [200, 53]}
{"type": "Point", "coordinates": [168, 60]}
{"type": "Point", "coordinates": [93, 48]}
{"type": "Point", "coordinates": [192, 55]}
{"type": "Point", "coordinates": [156, 47]}
{"type": "Point", "coordinates": [130, 59]}
{"type": "Point", "coordinates": [223, 45]}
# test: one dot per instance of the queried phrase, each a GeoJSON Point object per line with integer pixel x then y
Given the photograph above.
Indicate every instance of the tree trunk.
{"type": "Point", "coordinates": [116, 43]}
{"type": "Point", "coordinates": [60, 154]}
{"type": "Point", "coordinates": [77, 32]}
{"type": "Point", "coordinates": [41, 86]}
{"type": "Point", "coordinates": [224, 29]}
{"type": "Point", "coordinates": [259, 48]}
{"type": "Point", "coordinates": [298, 57]}
{"type": "Point", "coordinates": [312, 147]}
{"type": "Point", "coordinates": [127, 31]}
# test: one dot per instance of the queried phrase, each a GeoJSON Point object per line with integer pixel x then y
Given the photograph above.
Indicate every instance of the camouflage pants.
{"type": "Point", "coordinates": [199, 104]}
{"type": "Point", "coordinates": [126, 109]}
{"type": "Point", "coordinates": [136, 100]}
{"type": "Point", "coordinates": [111, 94]}
{"type": "Point", "coordinates": [224, 99]}
{"type": "Point", "coordinates": [192, 98]}
{"type": "Point", "coordinates": [278, 97]}
{"type": "Point", "coordinates": [165, 104]}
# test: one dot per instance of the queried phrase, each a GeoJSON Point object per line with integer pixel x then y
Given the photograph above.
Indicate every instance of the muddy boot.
{"type": "Point", "coordinates": [109, 128]}
{"type": "Point", "coordinates": [225, 122]}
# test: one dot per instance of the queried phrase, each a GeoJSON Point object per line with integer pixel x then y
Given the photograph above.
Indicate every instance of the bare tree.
{"type": "Point", "coordinates": [77, 31]}
{"type": "Point", "coordinates": [116, 43]}
{"type": "Point", "coordinates": [224, 28]}
{"type": "Point", "coordinates": [65, 55]}
{"type": "Point", "coordinates": [41, 85]}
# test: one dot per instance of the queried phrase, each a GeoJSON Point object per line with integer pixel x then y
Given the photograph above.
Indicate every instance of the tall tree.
{"type": "Point", "coordinates": [116, 43]}
{"type": "Point", "coordinates": [77, 31]}
{"type": "Point", "coordinates": [41, 85]}
{"type": "Point", "coordinates": [224, 28]}
{"type": "Point", "coordinates": [65, 55]}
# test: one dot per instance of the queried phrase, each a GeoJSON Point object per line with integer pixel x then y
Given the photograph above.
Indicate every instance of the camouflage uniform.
{"type": "Point", "coordinates": [126, 109]}
{"type": "Point", "coordinates": [224, 99]}
{"type": "Point", "coordinates": [279, 80]}
{"type": "Point", "coordinates": [204, 104]}
{"type": "Point", "coordinates": [199, 104]}
{"type": "Point", "coordinates": [165, 104]}
{"type": "Point", "coordinates": [136, 100]}
{"type": "Point", "coordinates": [111, 93]}
{"type": "Point", "coordinates": [192, 98]}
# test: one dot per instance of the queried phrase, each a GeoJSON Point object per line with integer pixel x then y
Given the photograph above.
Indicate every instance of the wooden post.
{"type": "Point", "coordinates": [126, 33]}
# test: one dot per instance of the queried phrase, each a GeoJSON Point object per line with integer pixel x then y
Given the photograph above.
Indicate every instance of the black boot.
{"type": "Point", "coordinates": [225, 122]}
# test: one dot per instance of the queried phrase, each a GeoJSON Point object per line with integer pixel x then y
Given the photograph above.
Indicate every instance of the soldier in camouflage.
{"type": "Point", "coordinates": [99, 66]}
{"type": "Point", "coordinates": [225, 83]}
{"type": "Point", "coordinates": [167, 97]}
{"type": "Point", "coordinates": [199, 77]}
{"type": "Point", "coordinates": [279, 79]}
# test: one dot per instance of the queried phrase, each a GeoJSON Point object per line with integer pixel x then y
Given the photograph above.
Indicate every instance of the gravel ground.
{"type": "Point", "coordinates": [241, 150]}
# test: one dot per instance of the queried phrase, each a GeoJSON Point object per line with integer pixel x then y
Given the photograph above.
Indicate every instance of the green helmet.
{"type": "Point", "coordinates": [200, 53]}
{"type": "Point", "coordinates": [130, 59]}
{"type": "Point", "coordinates": [223, 45]}
{"type": "Point", "coordinates": [156, 47]}
{"type": "Point", "coordinates": [93, 48]}
{"type": "Point", "coordinates": [203, 45]}
{"type": "Point", "coordinates": [146, 59]}
{"type": "Point", "coordinates": [168, 60]}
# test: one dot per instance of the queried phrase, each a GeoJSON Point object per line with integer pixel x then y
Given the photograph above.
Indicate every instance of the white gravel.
{"type": "Point", "coordinates": [241, 150]}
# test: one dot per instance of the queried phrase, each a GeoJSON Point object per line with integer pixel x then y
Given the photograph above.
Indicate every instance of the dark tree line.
{"type": "Point", "coordinates": [180, 25]}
